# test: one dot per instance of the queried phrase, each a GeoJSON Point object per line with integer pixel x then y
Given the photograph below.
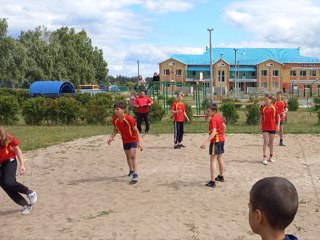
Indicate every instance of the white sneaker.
{"type": "Point", "coordinates": [264, 161]}
{"type": "Point", "coordinates": [33, 197]}
{"type": "Point", "coordinates": [26, 209]}
{"type": "Point", "coordinates": [271, 159]}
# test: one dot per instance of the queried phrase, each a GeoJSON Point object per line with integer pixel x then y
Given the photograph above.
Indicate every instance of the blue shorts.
{"type": "Point", "coordinates": [216, 148]}
{"type": "Point", "coordinates": [128, 146]}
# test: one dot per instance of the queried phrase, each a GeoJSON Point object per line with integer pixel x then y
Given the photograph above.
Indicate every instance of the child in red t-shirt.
{"type": "Point", "coordinates": [178, 110]}
{"type": "Point", "coordinates": [9, 153]}
{"type": "Point", "coordinates": [126, 125]}
{"type": "Point", "coordinates": [283, 109]}
{"type": "Point", "coordinates": [217, 129]}
{"type": "Point", "coordinates": [269, 123]}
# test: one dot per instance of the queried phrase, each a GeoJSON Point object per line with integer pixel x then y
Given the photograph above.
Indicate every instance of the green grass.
{"type": "Point", "coordinates": [34, 137]}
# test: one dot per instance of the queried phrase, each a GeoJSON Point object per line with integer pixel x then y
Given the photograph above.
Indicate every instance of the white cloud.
{"type": "Point", "coordinates": [112, 25]}
{"type": "Point", "coordinates": [276, 23]}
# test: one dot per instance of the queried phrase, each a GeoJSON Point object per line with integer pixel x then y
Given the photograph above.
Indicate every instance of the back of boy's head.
{"type": "Point", "coordinates": [121, 105]}
{"type": "Point", "coordinates": [277, 199]}
{"type": "Point", "coordinates": [212, 107]}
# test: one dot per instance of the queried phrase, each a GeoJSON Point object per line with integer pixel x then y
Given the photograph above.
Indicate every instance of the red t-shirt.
{"type": "Point", "coordinates": [6, 150]}
{"type": "Point", "coordinates": [281, 105]}
{"type": "Point", "coordinates": [141, 104]}
{"type": "Point", "coordinates": [178, 117]}
{"type": "Point", "coordinates": [216, 122]}
{"type": "Point", "coordinates": [269, 116]}
{"type": "Point", "coordinates": [125, 127]}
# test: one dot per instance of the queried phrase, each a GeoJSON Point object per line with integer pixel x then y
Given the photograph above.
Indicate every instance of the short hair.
{"type": "Point", "coordinates": [121, 105]}
{"type": "Point", "coordinates": [279, 92]}
{"type": "Point", "coordinates": [269, 95]}
{"type": "Point", "coordinates": [213, 107]}
{"type": "Point", "coordinates": [277, 199]}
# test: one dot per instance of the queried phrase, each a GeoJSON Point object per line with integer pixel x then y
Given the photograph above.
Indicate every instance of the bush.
{"type": "Point", "coordinates": [316, 101]}
{"type": "Point", "coordinates": [253, 114]}
{"type": "Point", "coordinates": [156, 112]}
{"type": "Point", "coordinates": [34, 110]}
{"type": "Point", "coordinates": [232, 100]}
{"type": "Point", "coordinates": [189, 112]}
{"type": "Point", "coordinates": [171, 100]}
{"type": "Point", "coordinates": [8, 110]}
{"type": "Point", "coordinates": [68, 110]}
{"type": "Point", "coordinates": [99, 109]}
{"type": "Point", "coordinates": [204, 104]}
{"type": "Point", "coordinates": [318, 117]}
{"type": "Point", "coordinates": [293, 104]}
{"type": "Point", "coordinates": [229, 112]}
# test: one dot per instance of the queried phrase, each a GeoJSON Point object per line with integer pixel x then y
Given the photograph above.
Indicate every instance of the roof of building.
{"type": "Point", "coordinates": [246, 56]}
{"type": "Point", "coordinates": [50, 88]}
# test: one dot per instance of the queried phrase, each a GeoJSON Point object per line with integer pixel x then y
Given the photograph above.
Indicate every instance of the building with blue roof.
{"type": "Point", "coordinates": [50, 88]}
{"type": "Point", "coordinates": [263, 69]}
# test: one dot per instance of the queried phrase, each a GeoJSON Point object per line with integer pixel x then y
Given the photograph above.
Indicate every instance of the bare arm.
{"type": "Point", "coordinates": [135, 129]}
{"type": "Point", "coordinates": [186, 116]}
{"type": "Point", "coordinates": [18, 152]}
{"type": "Point", "coordinates": [211, 136]}
{"type": "Point", "coordinates": [113, 134]}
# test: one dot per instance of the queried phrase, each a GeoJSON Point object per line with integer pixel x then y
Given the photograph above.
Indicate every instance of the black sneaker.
{"type": "Point", "coordinates": [281, 144]}
{"type": "Point", "coordinates": [219, 178]}
{"type": "Point", "coordinates": [181, 145]}
{"type": "Point", "coordinates": [130, 173]}
{"type": "Point", "coordinates": [177, 146]}
{"type": "Point", "coordinates": [211, 184]}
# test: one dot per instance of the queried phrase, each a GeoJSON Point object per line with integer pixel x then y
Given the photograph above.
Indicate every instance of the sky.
{"type": "Point", "coordinates": [150, 31]}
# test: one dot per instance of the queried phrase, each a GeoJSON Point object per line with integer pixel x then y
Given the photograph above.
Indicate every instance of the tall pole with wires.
{"type": "Point", "coordinates": [211, 73]}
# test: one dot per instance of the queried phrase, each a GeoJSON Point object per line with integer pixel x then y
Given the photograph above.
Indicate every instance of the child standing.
{"type": "Point", "coordinates": [269, 125]}
{"type": "Point", "coordinates": [216, 138]}
{"type": "Point", "coordinates": [126, 125]}
{"type": "Point", "coordinates": [272, 207]}
{"type": "Point", "coordinates": [9, 153]}
{"type": "Point", "coordinates": [283, 109]}
{"type": "Point", "coordinates": [178, 110]}
{"type": "Point", "coordinates": [142, 104]}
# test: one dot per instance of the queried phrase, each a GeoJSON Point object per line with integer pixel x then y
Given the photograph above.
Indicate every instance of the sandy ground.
{"type": "Point", "coordinates": [84, 192]}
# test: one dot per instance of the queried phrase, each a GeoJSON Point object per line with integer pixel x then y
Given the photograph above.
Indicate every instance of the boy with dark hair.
{"type": "Point", "coordinates": [272, 207]}
{"type": "Point", "coordinates": [217, 129]}
{"type": "Point", "coordinates": [126, 125]}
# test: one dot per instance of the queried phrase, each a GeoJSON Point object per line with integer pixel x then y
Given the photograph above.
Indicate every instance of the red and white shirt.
{"type": "Point", "coordinates": [125, 127]}
{"type": "Point", "coordinates": [6, 149]}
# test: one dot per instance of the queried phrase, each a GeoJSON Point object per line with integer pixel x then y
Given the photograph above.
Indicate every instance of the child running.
{"type": "Point", "coordinates": [178, 110]}
{"type": "Point", "coordinates": [217, 129]}
{"type": "Point", "coordinates": [126, 125]}
{"type": "Point", "coordinates": [9, 153]}
{"type": "Point", "coordinates": [272, 207]}
{"type": "Point", "coordinates": [283, 109]}
{"type": "Point", "coordinates": [269, 125]}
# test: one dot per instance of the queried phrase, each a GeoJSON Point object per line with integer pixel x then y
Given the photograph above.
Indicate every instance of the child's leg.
{"type": "Point", "coordinates": [133, 159]}
{"type": "Point", "coordinates": [265, 143]}
{"type": "Point", "coordinates": [281, 132]}
{"type": "Point", "coordinates": [221, 164]}
{"type": "Point", "coordinates": [129, 160]}
{"type": "Point", "coordinates": [271, 140]}
{"type": "Point", "coordinates": [212, 166]}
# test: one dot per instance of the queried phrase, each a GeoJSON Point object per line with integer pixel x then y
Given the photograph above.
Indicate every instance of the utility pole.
{"type": "Point", "coordinates": [220, 76]}
{"type": "Point", "coordinates": [211, 78]}
{"type": "Point", "coordinates": [138, 69]}
{"type": "Point", "coordinates": [235, 71]}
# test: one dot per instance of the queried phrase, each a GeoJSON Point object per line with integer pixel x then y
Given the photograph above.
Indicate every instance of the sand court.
{"type": "Point", "coordinates": [84, 192]}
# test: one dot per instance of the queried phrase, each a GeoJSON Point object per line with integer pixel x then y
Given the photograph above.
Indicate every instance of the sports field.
{"type": "Point", "coordinates": [83, 191]}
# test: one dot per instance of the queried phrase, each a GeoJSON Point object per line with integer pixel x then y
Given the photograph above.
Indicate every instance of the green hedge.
{"type": "Point", "coordinates": [8, 110]}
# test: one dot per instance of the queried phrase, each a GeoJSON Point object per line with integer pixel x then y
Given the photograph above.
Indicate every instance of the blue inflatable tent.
{"type": "Point", "coordinates": [50, 88]}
